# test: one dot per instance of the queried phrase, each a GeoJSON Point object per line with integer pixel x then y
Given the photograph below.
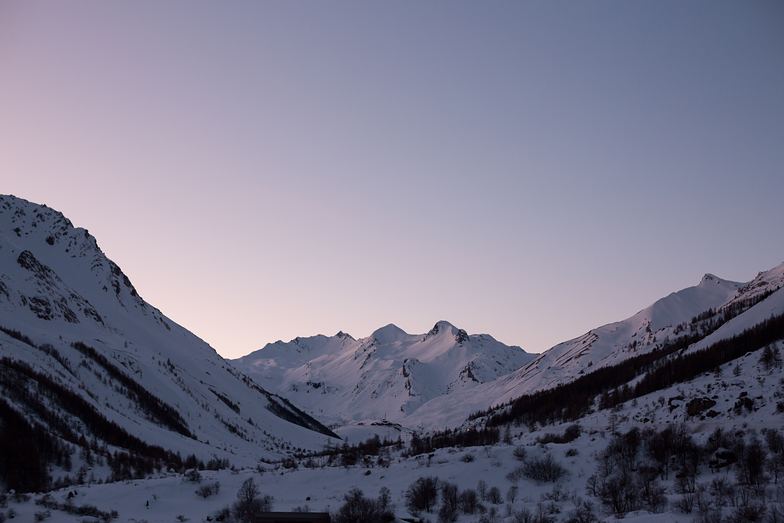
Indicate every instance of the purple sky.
{"type": "Point", "coordinates": [264, 170]}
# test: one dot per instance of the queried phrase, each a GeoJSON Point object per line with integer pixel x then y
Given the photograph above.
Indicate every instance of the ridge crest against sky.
{"type": "Point", "coordinates": [280, 169]}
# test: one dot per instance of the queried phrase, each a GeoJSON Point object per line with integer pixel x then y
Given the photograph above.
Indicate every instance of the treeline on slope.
{"type": "Point", "coordinates": [294, 415]}
{"type": "Point", "coordinates": [28, 449]}
{"type": "Point", "coordinates": [682, 368]}
{"type": "Point", "coordinates": [425, 443]}
{"type": "Point", "coordinates": [347, 455]}
{"type": "Point", "coordinates": [27, 387]}
{"type": "Point", "coordinates": [362, 453]}
{"type": "Point", "coordinates": [45, 348]}
{"type": "Point", "coordinates": [282, 407]}
{"type": "Point", "coordinates": [157, 409]}
{"type": "Point", "coordinates": [712, 319]}
{"type": "Point", "coordinates": [573, 400]}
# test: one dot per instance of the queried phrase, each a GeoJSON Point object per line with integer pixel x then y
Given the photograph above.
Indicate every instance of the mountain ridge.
{"type": "Point", "coordinates": [647, 330]}
{"type": "Point", "coordinates": [383, 377]}
{"type": "Point", "coordinates": [73, 327]}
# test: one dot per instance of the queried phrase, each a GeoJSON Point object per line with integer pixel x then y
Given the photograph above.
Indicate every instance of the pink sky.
{"type": "Point", "coordinates": [270, 170]}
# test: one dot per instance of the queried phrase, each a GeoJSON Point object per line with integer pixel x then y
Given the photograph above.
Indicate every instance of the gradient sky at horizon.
{"type": "Point", "coordinates": [266, 170]}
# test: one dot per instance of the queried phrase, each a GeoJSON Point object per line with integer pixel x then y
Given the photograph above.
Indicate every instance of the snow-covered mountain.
{"type": "Point", "coordinates": [711, 310]}
{"type": "Point", "coordinates": [82, 354]}
{"type": "Point", "coordinates": [714, 411]}
{"type": "Point", "coordinates": [384, 377]}
{"type": "Point", "coordinates": [95, 379]}
{"type": "Point", "coordinates": [701, 429]}
{"type": "Point", "coordinates": [647, 330]}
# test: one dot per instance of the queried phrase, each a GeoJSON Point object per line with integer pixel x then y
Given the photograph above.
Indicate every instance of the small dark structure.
{"type": "Point", "coordinates": [292, 517]}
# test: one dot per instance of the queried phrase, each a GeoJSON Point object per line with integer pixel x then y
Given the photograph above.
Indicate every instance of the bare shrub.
{"type": "Point", "coordinates": [519, 453]}
{"type": "Point", "coordinates": [571, 433]}
{"type": "Point", "coordinates": [359, 509]}
{"type": "Point", "coordinates": [544, 469]}
{"type": "Point", "coordinates": [209, 489]}
{"type": "Point", "coordinates": [468, 501]}
{"type": "Point", "coordinates": [749, 513]}
{"type": "Point", "coordinates": [449, 503]}
{"type": "Point", "coordinates": [192, 476]}
{"type": "Point", "coordinates": [583, 513]}
{"type": "Point", "coordinates": [250, 502]}
{"type": "Point", "coordinates": [422, 494]}
{"type": "Point", "coordinates": [494, 496]}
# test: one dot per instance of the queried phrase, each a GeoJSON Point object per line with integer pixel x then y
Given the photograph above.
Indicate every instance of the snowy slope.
{"type": "Point", "coordinates": [768, 287]}
{"type": "Point", "coordinates": [321, 488]}
{"type": "Point", "coordinates": [647, 330]}
{"type": "Point", "coordinates": [386, 376]}
{"type": "Point", "coordinates": [347, 381]}
{"type": "Point", "coordinates": [614, 342]}
{"type": "Point", "coordinates": [57, 288]}
{"type": "Point", "coordinates": [136, 367]}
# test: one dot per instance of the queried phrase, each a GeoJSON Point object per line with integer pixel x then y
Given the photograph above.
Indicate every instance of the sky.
{"type": "Point", "coordinates": [527, 169]}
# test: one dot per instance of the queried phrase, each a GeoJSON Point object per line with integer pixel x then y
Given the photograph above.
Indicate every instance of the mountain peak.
{"type": "Point", "coordinates": [709, 278]}
{"type": "Point", "coordinates": [442, 326]}
{"type": "Point", "coordinates": [44, 235]}
{"type": "Point", "coordinates": [388, 333]}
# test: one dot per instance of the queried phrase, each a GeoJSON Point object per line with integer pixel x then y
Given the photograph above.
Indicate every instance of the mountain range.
{"type": "Point", "coordinates": [91, 371]}
{"type": "Point", "coordinates": [438, 379]}
{"type": "Point", "coordinates": [379, 382]}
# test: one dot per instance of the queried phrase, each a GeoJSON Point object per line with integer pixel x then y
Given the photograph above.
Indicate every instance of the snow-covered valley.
{"type": "Point", "coordinates": [317, 486]}
{"type": "Point", "coordinates": [673, 414]}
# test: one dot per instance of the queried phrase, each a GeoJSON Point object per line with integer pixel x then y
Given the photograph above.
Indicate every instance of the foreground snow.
{"type": "Point", "coordinates": [166, 497]}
